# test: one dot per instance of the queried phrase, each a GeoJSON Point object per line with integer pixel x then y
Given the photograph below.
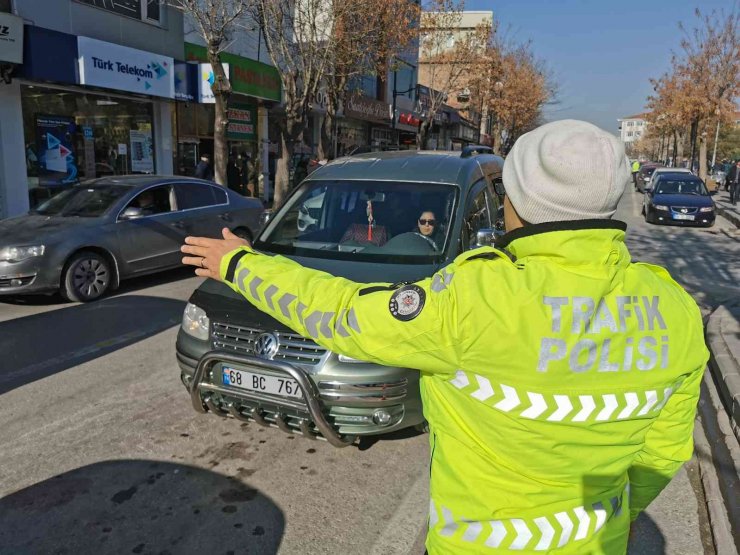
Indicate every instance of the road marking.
{"type": "Point", "coordinates": [408, 521]}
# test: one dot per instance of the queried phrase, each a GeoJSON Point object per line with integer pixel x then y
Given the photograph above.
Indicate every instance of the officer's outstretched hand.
{"type": "Point", "coordinates": [207, 253]}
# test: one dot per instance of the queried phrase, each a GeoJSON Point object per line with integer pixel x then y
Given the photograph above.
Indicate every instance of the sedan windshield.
{"type": "Point", "coordinates": [89, 202]}
{"type": "Point", "coordinates": [372, 221]}
{"type": "Point", "coordinates": [680, 187]}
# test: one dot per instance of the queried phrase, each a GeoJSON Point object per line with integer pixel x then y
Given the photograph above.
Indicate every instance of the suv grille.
{"type": "Point", "coordinates": [293, 347]}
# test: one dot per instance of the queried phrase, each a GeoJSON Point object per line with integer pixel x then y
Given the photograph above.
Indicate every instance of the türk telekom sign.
{"type": "Point", "coordinates": [11, 38]}
{"type": "Point", "coordinates": [103, 64]}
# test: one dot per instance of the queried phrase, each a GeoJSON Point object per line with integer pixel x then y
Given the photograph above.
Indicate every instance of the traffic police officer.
{"type": "Point", "coordinates": [635, 171]}
{"type": "Point", "coordinates": [559, 378]}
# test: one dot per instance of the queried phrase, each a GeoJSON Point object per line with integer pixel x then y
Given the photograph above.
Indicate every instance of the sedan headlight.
{"type": "Point", "coordinates": [16, 254]}
{"type": "Point", "coordinates": [661, 207]}
{"type": "Point", "coordinates": [195, 322]}
{"type": "Point", "coordinates": [706, 209]}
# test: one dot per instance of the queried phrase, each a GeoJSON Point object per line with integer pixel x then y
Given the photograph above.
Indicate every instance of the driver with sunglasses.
{"type": "Point", "coordinates": [559, 378]}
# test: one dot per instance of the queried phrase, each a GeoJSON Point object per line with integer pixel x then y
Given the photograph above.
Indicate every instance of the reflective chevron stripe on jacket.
{"type": "Point", "coordinates": [563, 408]}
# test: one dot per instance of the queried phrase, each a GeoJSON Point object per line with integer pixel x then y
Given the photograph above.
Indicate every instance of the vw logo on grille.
{"type": "Point", "coordinates": [266, 345]}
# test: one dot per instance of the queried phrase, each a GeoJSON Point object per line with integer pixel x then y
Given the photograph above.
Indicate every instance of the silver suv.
{"type": "Point", "coordinates": [426, 207]}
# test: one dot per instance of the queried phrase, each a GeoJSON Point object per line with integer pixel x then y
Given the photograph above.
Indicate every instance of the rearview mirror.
{"type": "Point", "coordinates": [131, 213]}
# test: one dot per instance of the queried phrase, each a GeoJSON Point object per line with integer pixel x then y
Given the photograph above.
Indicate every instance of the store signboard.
{"type": "Point", "coordinates": [112, 66]}
{"type": "Point", "coordinates": [142, 153]}
{"type": "Point", "coordinates": [247, 76]}
{"type": "Point", "coordinates": [55, 149]}
{"type": "Point", "coordinates": [242, 120]}
{"type": "Point", "coordinates": [186, 81]}
{"type": "Point", "coordinates": [367, 109]}
{"type": "Point", "coordinates": [206, 78]}
{"type": "Point", "coordinates": [11, 38]}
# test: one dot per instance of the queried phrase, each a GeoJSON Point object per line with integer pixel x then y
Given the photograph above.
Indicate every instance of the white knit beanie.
{"type": "Point", "coordinates": [566, 170]}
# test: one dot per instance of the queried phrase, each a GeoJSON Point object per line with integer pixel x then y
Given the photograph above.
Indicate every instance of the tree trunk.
{"type": "Point", "coordinates": [692, 138]}
{"type": "Point", "coordinates": [221, 91]}
{"type": "Point", "coordinates": [422, 136]}
{"type": "Point", "coordinates": [326, 152]}
{"type": "Point", "coordinates": [703, 157]}
{"type": "Point", "coordinates": [681, 140]}
{"type": "Point", "coordinates": [282, 169]}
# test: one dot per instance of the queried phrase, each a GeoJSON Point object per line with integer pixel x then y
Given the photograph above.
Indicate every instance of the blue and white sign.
{"type": "Point", "coordinates": [103, 64]}
{"type": "Point", "coordinates": [206, 80]}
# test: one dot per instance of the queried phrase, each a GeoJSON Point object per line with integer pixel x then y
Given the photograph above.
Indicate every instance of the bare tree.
{"type": "Point", "coordinates": [447, 55]}
{"type": "Point", "coordinates": [216, 21]}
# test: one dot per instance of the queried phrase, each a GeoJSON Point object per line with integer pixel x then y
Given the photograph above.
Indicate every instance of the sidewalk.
{"type": "Point", "coordinates": [725, 209]}
{"type": "Point", "coordinates": [723, 339]}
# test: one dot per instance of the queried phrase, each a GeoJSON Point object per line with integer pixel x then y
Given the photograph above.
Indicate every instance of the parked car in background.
{"type": "Point", "coordinates": [283, 379]}
{"type": "Point", "coordinates": [644, 175]}
{"type": "Point", "coordinates": [85, 240]}
{"type": "Point", "coordinates": [679, 198]}
{"type": "Point", "coordinates": [657, 172]}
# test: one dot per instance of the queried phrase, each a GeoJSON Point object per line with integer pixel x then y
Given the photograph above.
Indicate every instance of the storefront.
{"type": "Point", "coordinates": [85, 108]}
{"type": "Point", "coordinates": [365, 125]}
{"type": "Point", "coordinates": [255, 89]}
{"type": "Point", "coordinates": [408, 119]}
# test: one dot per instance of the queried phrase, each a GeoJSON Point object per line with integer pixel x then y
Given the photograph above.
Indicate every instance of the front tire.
{"type": "Point", "coordinates": [86, 277]}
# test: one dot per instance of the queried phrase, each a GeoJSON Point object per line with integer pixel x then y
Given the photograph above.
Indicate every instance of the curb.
{"type": "Point", "coordinates": [722, 329]}
{"type": "Point", "coordinates": [727, 214]}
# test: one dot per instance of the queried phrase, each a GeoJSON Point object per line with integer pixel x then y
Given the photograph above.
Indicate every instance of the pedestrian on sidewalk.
{"type": "Point", "coordinates": [734, 182]}
{"type": "Point", "coordinates": [559, 378]}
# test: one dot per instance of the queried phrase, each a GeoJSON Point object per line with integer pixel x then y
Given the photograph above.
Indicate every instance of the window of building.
{"type": "Point", "coordinates": [640, 123]}
{"type": "Point", "coordinates": [630, 133]}
{"type": "Point", "coordinates": [143, 10]}
{"type": "Point", "coordinates": [630, 123]}
{"type": "Point", "coordinates": [6, 6]}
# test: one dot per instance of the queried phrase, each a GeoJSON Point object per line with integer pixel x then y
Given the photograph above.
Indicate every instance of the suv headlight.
{"type": "Point", "coordinates": [706, 209]}
{"type": "Point", "coordinates": [343, 358]}
{"type": "Point", "coordinates": [16, 254]}
{"type": "Point", "coordinates": [660, 207]}
{"type": "Point", "coordinates": [195, 322]}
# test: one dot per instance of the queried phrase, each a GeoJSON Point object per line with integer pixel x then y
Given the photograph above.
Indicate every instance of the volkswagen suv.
{"type": "Point", "coordinates": [236, 361]}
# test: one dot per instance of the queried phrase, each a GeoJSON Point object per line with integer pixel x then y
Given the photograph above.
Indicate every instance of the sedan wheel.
{"type": "Point", "coordinates": [87, 276]}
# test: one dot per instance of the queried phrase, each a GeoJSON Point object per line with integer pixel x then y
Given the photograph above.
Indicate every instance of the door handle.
{"type": "Point", "coordinates": [225, 217]}
{"type": "Point", "coordinates": [178, 225]}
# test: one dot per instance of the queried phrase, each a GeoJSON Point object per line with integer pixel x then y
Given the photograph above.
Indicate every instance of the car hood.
{"type": "Point", "coordinates": [34, 228]}
{"type": "Point", "coordinates": [361, 272]}
{"type": "Point", "coordinates": [683, 200]}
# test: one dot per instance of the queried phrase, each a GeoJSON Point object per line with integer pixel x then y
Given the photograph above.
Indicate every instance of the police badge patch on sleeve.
{"type": "Point", "coordinates": [407, 302]}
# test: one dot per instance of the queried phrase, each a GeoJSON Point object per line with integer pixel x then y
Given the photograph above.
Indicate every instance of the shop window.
{"type": "Point", "coordinates": [194, 195]}
{"type": "Point", "coordinates": [72, 136]}
{"type": "Point", "coordinates": [143, 10]}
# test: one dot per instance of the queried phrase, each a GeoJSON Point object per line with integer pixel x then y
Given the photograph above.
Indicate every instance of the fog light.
{"type": "Point", "coordinates": [382, 417]}
{"type": "Point", "coordinates": [16, 282]}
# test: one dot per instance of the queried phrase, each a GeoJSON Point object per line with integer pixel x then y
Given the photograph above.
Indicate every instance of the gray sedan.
{"type": "Point", "coordinates": [87, 239]}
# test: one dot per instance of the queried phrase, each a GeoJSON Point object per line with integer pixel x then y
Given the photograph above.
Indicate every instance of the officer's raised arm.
{"type": "Point", "coordinates": [409, 325]}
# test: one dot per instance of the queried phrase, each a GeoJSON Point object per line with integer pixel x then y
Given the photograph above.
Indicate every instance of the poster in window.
{"type": "Point", "coordinates": [142, 157]}
{"type": "Point", "coordinates": [55, 136]}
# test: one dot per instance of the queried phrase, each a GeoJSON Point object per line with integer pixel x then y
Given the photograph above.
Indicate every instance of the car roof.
{"type": "Point", "coordinates": [673, 170]}
{"type": "Point", "coordinates": [410, 166]}
{"type": "Point", "coordinates": [678, 176]}
{"type": "Point", "coordinates": [140, 180]}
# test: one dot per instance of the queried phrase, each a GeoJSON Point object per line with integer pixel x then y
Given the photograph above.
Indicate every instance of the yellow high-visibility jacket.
{"type": "Point", "coordinates": [559, 379]}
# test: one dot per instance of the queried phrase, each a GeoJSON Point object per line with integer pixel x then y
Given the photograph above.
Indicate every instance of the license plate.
{"type": "Point", "coordinates": [683, 217]}
{"type": "Point", "coordinates": [261, 383]}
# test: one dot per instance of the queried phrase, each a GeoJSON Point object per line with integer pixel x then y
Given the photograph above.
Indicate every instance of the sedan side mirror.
{"type": "Point", "coordinates": [131, 213]}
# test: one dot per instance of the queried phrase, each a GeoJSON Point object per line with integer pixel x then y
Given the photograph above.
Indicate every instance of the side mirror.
{"type": "Point", "coordinates": [265, 217]}
{"type": "Point", "coordinates": [648, 190]}
{"type": "Point", "coordinates": [485, 237]}
{"type": "Point", "coordinates": [131, 213]}
{"type": "Point", "coordinates": [498, 186]}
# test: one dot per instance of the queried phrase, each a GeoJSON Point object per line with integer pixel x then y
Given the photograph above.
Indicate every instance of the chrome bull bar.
{"type": "Point", "coordinates": [310, 403]}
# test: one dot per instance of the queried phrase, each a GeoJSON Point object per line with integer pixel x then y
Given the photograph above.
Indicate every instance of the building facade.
{"type": "Point", "coordinates": [93, 95]}
{"type": "Point", "coordinates": [632, 128]}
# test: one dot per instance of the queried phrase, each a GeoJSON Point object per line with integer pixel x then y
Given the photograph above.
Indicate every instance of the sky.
{"type": "Point", "coordinates": [601, 53]}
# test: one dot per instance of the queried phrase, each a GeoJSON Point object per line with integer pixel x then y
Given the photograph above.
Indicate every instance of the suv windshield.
{"type": "Point", "coordinates": [682, 187]}
{"type": "Point", "coordinates": [89, 202]}
{"type": "Point", "coordinates": [371, 221]}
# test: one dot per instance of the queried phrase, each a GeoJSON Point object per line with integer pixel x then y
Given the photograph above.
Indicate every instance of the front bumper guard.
{"type": "Point", "coordinates": [200, 391]}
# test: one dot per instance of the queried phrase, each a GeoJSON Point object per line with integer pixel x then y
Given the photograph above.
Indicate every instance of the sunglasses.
{"type": "Point", "coordinates": [427, 222]}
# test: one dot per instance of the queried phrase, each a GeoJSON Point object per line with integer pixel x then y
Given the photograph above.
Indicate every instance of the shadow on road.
{"type": "Point", "coordinates": [701, 261]}
{"type": "Point", "coordinates": [645, 537]}
{"type": "Point", "coordinates": [139, 506]}
{"type": "Point", "coordinates": [37, 346]}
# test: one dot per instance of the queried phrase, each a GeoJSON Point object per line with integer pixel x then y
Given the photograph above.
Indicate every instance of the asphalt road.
{"type": "Point", "coordinates": [102, 452]}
